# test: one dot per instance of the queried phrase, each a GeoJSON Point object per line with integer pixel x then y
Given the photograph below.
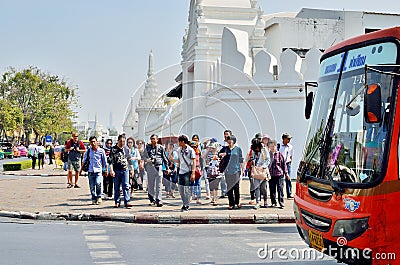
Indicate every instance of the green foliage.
{"type": "Point", "coordinates": [11, 117]}
{"type": "Point", "coordinates": [45, 101]}
{"type": "Point", "coordinates": [20, 165]}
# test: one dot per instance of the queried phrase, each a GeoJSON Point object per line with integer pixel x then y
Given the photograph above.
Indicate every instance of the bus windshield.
{"type": "Point", "coordinates": [357, 151]}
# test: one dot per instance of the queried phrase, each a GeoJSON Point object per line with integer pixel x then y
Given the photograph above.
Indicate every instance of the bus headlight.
{"type": "Point", "coordinates": [296, 212]}
{"type": "Point", "coordinates": [350, 229]}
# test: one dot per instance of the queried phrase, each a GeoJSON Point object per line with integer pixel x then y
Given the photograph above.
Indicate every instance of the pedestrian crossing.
{"type": "Point", "coordinates": [102, 251]}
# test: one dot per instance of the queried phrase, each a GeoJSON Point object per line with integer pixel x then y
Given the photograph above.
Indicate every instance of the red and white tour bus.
{"type": "Point", "coordinates": [348, 182]}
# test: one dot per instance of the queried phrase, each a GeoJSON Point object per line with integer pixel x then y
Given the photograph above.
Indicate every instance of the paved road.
{"type": "Point", "coordinates": [34, 242]}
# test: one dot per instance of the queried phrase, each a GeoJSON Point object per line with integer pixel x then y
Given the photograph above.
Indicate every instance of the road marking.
{"type": "Point", "coordinates": [105, 255]}
{"type": "Point", "coordinates": [97, 238]}
{"type": "Point", "coordinates": [102, 251]}
{"type": "Point", "coordinates": [100, 245]}
{"type": "Point", "coordinates": [277, 244]}
{"type": "Point", "coordinates": [94, 232]}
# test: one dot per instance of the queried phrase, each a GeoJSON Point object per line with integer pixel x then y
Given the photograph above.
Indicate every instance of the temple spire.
{"type": "Point", "coordinates": [150, 72]}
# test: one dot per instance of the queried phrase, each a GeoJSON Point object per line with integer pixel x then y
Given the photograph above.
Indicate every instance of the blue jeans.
{"type": "Point", "coordinates": [185, 187]}
{"type": "Point", "coordinates": [196, 188]}
{"type": "Point", "coordinates": [121, 177]}
{"type": "Point", "coordinates": [288, 181]}
{"type": "Point", "coordinates": [95, 180]}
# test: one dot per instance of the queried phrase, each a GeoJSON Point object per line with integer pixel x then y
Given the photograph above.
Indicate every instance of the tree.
{"type": "Point", "coordinates": [11, 118]}
{"type": "Point", "coordinates": [46, 101]}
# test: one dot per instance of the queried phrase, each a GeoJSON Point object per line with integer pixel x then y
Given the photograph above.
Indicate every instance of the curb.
{"type": "Point", "coordinates": [32, 175]}
{"type": "Point", "coordinates": [143, 218]}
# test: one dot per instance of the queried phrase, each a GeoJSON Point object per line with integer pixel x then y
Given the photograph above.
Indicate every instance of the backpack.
{"type": "Point", "coordinates": [64, 155]}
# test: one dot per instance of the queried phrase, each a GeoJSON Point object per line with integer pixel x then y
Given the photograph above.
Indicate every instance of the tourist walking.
{"type": "Point", "coordinates": [108, 180]}
{"type": "Point", "coordinates": [171, 178]}
{"type": "Point", "coordinates": [120, 160]}
{"type": "Point", "coordinates": [134, 179]}
{"type": "Point", "coordinates": [41, 153]}
{"type": "Point", "coordinates": [187, 165]}
{"type": "Point", "coordinates": [260, 159]}
{"type": "Point", "coordinates": [75, 149]}
{"type": "Point", "coordinates": [278, 172]}
{"type": "Point", "coordinates": [224, 188]}
{"type": "Point", "coordinates": [210, 156]}
{"type": "Point", "coordinates": [97, 168]}
{"type": "Point", "coordinates": [233, 171]}
{"type": "Point", "coordinates": [196, 188]}
{"type": "Point", "coordinates": [155, 157]}
{"type": "Point", "coordinates": [32, 148]}
{"type": "Point", "coordinates": [286, 150]}
{"type": "Point", "coordinates": [142, 170]}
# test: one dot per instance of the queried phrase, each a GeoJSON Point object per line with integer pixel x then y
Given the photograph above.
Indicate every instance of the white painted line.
{"type": "Point", "coordinates": [105, 254]}
{"type": "Point", "coordinates": [100, 245]}
{"type": "Point", "coordinates": [94, 232]}
{"type": "Point", "coordinates": [277, 244]}
{"type": "Point", "coordinates": [97, 238]}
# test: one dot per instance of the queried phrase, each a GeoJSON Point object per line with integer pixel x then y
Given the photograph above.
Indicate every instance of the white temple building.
{"type": "Point", "coordinates": [244, 71]}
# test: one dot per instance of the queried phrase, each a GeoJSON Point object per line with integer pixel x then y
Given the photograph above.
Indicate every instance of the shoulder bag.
{"type": "Point", "coordinates": [85, 166]}
{"type": "Point", "coordinates": [197, 171]}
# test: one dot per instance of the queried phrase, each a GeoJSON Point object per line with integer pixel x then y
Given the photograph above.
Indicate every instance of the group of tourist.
{"type": "Point", "coordinates": [127, 166]}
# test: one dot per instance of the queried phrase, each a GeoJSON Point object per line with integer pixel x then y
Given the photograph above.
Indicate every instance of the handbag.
{"type": "Point", "coordinates": [197, 173]}
{"type": "Point", "coordinates": [85, 166]}
{"type": "Point", "coordinates": [260, 173]}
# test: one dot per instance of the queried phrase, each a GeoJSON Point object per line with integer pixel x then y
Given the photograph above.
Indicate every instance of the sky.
{"type": "Point", "coordinates": [102, 46]}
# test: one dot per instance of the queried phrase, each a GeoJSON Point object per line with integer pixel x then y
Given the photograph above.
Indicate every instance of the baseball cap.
{"type": "Point", "coordinates": [258, 135]}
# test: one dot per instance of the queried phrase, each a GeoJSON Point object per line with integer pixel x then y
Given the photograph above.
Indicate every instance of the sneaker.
{"type": "Point", "coordinates": [256, 206]}
{"type": "Point", "coordinates": [99, 201]}
{"type": "Point", "coordinates": [265, 205]}
{"type": "Point", "coordinates": [185, 208]}
{"type": "Point", "coordinates": [160, 204]}
{"type": "Point", "coordinates": [69, 186]}
{"type": "Point", "coordinates": [76, 186]}
{"type": "Point", "coordinates": [290, 197]}
{"type": "Point", "coordinates": [281, 206]}
{"type": "Point", "coordinates": [273, 205]}
{"type": "Point", "coordinates": [93, 202]}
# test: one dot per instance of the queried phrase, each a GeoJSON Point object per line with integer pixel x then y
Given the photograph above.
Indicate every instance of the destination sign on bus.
{"type": "Point", "coordinates": [382, 53]}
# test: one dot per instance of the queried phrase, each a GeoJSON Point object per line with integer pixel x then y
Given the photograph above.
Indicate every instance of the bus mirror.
{"type": "Point", "coordinates": [373, 104]}
{"type": "Point", "coordinates": [310, 91]}
{"type": "Point", "coordinates": [309, 104]}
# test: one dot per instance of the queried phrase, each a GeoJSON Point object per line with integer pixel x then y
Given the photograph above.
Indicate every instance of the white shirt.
{"type": "Point", "coordinates": [33, 149]}
{"type": "Point", "coordinates": [287, 152]}
{"type": "Point", "coordinates": [187, 155]}
{"type": "Point", "coordinates": [41, 149]}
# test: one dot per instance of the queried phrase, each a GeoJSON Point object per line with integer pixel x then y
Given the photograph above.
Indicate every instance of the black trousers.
{"type": "Point", "coordinates": [276, 185]}
{"type": "Point", "coordinates": [108, 184]}
{"type": "Point", "coordinates": [234, 195]}
{"type": "Point", "coordinates": [33, 161]}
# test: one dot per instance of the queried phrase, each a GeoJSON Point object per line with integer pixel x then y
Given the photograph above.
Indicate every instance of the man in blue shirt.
{"type": "Point", "coordinates": [97, 161]}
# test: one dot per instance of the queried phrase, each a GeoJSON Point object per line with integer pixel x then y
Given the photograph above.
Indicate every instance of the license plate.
{"type": "Point", "coordinates": [316, 240]}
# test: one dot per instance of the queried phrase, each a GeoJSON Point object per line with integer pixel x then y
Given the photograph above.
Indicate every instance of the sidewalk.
{"type": "Point", "coordinates": [43, 195]}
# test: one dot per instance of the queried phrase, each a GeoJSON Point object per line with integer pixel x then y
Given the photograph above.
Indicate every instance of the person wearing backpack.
{"type": "Point", "coordinates": [75, 149]}
{"type": "Point", "coordinates": [278, 171]}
